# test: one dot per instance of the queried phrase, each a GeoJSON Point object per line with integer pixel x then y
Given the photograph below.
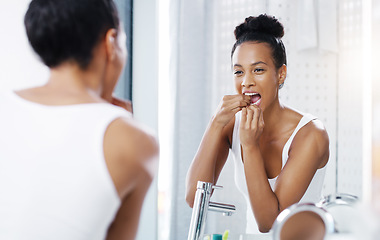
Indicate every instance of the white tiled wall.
{"type": "Point", "coordinates": [350, 97]}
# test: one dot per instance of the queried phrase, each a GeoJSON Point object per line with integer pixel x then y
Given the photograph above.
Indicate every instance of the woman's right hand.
{"type": "Point", "coordinates": [229, 106]}
{"type": "Point", "coordinates": [214, 147]}
{"type": "Point", "coordinates": [126, 104]}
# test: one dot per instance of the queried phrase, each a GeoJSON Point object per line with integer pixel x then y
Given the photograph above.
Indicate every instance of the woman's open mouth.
{"type": "Point", "coordinates": [255, 97]}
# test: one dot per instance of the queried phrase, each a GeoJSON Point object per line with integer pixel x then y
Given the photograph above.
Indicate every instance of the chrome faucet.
{"type": "Point", "coordinates": [201, 206]}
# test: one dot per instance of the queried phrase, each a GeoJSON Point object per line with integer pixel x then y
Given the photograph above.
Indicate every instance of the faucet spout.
{"type": "Point", "coordinates": [201, 205]}
{"type": "Point", "coordinates": [226, 209]}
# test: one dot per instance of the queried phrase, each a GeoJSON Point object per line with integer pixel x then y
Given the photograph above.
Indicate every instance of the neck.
{"type": "Point", "coordinates": [70, 78]}
{"type": "Point", "coordinates": [272, 114]}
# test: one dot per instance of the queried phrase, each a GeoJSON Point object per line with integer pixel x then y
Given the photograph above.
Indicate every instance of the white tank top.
{"type": "Point", "coordinates": [313, 192]}
{"type": "Point", "coordinates": [54, 182]}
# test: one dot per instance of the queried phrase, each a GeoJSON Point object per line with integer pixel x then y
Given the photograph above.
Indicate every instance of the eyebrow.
{"type": "Point", "coordinates": [253, 64]}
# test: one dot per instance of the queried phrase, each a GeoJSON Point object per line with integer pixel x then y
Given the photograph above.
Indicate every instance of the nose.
{"type": "Point", "coordinates": [248, 81]}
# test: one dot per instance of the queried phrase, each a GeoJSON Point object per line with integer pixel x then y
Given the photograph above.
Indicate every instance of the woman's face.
{"type": "Point", "coordinates": [255, 73]}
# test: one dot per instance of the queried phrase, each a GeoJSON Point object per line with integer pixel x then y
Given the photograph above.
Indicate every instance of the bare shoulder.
{"type": "Point", "coordinates": [131, 143]}
{"type": "Point", "coordinates": [314, 131]}
{"type": "Point", "coordinates": [312, 138]}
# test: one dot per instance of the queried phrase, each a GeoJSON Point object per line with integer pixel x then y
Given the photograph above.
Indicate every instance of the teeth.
{"type": "Point", "coordinates": [250, 94]}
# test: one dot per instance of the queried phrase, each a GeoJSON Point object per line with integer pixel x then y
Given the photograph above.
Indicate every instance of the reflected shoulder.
{"type": "Point", "coordinates": [312, 139]}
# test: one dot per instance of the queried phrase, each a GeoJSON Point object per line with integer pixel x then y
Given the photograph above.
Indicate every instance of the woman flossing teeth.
{"type": "Point", "coordinates": [255, 97]}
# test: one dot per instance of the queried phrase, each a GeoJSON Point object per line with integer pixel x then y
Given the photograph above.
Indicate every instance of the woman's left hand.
{"type": "Point", "coordinates": [126, 104]}
{"type": "Point", "coordinates": [251, 126]}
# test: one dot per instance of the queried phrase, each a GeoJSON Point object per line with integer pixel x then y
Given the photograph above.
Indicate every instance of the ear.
{"type": "Point", "coordinates": [282, 74]}
{"type": "Point", "coordinates": [111, 44]}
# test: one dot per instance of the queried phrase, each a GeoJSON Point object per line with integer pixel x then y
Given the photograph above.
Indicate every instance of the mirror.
{"type": "Point", "coordinates": [321, 80]}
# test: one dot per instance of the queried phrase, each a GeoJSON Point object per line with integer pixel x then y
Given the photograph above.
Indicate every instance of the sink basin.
{"type": "Point", "coordinates": [232, 236]}
{"type": "Point", "coordinates": [268, 236]}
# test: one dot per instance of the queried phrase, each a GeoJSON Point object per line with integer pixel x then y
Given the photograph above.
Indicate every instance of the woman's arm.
{"type": "Point", "coordinates": [213, 150]}
{"type": "Point", "coordinates": [209, 160]}
{"type": "Point", "coordinates": [131, 153]}
{"type": "Point", "coordinates": [309, 151]}
{"type": "Point", "coordinates": [125, 224]}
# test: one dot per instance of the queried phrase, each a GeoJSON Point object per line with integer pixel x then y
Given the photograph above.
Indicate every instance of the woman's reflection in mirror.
{"type": "Point", "coordinates": [280, 153]}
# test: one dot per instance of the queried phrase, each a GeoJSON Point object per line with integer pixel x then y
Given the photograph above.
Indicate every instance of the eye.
{"type": "Point", "coordinates": [238, 72]}
{"type": "Point", "coordinates": [259, 70]}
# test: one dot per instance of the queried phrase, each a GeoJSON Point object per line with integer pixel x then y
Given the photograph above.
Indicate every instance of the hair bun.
{"type": "Point", "coordinates": [261, 24]}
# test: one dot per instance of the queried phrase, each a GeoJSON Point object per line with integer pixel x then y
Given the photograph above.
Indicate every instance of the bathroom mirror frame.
{"type": "Point", "coordinates": [302, 207]}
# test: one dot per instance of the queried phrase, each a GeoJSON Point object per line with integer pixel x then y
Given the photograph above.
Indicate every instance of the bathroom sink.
{"type": "Point", "coordinates": [254, 237]}
{"type": "Point", "coordinates": [335, 236]}
{"type": "Point", "coordinates": [341, 236]}
{"type": "Point", "coordinates": [233, 236]}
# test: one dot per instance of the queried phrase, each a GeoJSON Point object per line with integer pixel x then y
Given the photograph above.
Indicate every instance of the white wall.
{"type": "Point", "coordinates": [19, 67]}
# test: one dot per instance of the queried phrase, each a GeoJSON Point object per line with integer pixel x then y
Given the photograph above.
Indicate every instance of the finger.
{"type": "Point", "coordinates": [245, 100]}
{"type": "Point", "coordinates": [116, 100]}
{"type": "Point", "coordinates": [126, 104]}
{"type": "Point", "coordinates": [245, 97]}
{"type": "Point", "coordinates": [119, 103]}
{"type": "Point", "coordinates": [129, 107]}
{"type": "Point", "coordinates": [238, 108]}
{"type": "Point", "coordinates": [245, 103]}
{"type": "Point", "coordinates": [237, 102]}
{"type": "Point", "coordinates": [250, 116]}
{"type": "Point", "coordinates": [256, 112]}
{"type": "Point", "coordinates": [261, 124]}
{"type": "Point", "coordinates": [238, 98]}
{"type": "Point", "coordinates": [243, 116]}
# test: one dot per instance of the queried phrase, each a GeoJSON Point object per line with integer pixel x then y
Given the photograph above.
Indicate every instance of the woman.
{"type": "Point", "coordinates": [72, 164]}
{"type": "Point", "coordinates": [280, 153]}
